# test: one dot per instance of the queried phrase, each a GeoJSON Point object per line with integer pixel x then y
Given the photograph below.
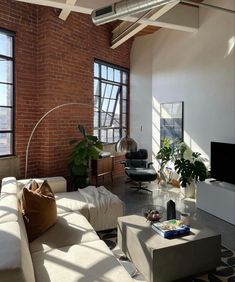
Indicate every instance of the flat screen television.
{"type": "Point", "coordinates": [223, 162]}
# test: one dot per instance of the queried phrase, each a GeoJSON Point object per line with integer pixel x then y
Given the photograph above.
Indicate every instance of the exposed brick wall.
{"type": "Point", "coordinates": [54, 65]}
{"type": "Point", "coordinates": [22, 18]}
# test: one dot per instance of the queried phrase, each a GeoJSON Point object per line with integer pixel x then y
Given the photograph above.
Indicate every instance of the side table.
{"type": "Point", "coordinates": [101, 167]}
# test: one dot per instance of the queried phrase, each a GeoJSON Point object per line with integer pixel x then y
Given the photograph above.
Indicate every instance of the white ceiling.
{"type": "Point", "coordinates": [95, 4]}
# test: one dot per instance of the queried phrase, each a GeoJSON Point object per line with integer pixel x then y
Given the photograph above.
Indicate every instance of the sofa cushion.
{"type": "Point", "coordinates": [88, 262]}
{"type": "Point", "coordinates": [71, 228]}
{"type": "Point", "coordinates": [15, 259]}
{"type": "Point", "coordinates": [71, 201]}
{"type": "Point", "coordinates": [58, 184]}
{"type": "Point", "coordinates": [39, 208]}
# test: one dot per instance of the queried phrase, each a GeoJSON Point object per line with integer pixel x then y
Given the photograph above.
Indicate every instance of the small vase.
{"type": "Point", "coordinates": [189, 191]}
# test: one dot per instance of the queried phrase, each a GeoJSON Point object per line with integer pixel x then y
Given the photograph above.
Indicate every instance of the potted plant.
{"type": "Point", "coordinates": [190, 171]}
{"type": "Point", "coordinates": [83, 152]}
{"type": "Point", "coordinates": [169, 152]}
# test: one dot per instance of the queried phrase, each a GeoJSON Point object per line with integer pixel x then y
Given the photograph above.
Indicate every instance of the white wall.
{"type": "Point", "coordinates": [141, 93]}
{"type": "Point", "coordinates": [197, 68]}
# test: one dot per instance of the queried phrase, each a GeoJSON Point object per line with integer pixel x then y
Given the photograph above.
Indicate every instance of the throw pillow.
{"type": "Point", "coordinates": [39, 209]}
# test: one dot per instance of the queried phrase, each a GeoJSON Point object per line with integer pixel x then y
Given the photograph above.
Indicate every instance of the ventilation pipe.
{"type": "Point", "coordinates": [123, 8]}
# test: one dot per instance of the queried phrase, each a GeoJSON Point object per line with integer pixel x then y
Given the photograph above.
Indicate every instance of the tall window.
{"type": "Point", "coordinates": [6, 93]}
{"type": "Point", "coordinates": [110, 102]}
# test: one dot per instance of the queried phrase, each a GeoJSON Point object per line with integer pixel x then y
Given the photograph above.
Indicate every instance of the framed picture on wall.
{"type": "Point", "coordinates": [172, 121]}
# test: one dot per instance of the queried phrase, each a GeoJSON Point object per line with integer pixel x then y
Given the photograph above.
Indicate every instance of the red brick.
{"type": "Point", "coordinates": [54, 65]}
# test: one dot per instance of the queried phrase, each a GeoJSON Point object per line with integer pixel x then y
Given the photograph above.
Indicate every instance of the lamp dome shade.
{"type": "Point", "coordinates": [126, 144]}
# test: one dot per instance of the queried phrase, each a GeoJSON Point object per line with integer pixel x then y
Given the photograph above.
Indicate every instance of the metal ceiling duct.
{"type": "Point", "coordinates": [123, 8]}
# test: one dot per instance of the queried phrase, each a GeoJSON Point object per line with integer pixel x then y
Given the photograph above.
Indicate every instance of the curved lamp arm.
{"type": "Point", "coordinates": [40, 120]}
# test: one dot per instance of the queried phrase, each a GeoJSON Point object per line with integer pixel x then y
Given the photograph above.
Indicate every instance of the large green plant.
{"type": "Point", "coordinates": [170, 151]}
{"type": "Point", "coordinates": [191, 170]}
{"type": "Point", "coordinates": [83, 152]}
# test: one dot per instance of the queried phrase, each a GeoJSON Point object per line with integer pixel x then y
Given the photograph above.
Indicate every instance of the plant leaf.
{"type": "Point", "coordinates": [82, 130]}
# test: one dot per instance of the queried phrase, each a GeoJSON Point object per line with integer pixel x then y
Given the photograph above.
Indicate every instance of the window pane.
{"type": "Point", "coordinates": [6, 97]}
{"type": "Point", "coordinates": [6, 45]}
{"type": "Point", "coordinates": [114, 92]}
{"type": "Point", "coordinates": [117, 114]}
{"type": "Point", "coordinates": [105, 105]}
{"type": "Point", "coordinates": [96, 70]}
{"type": "Point", "coordinates": [103, 119]}
{"type": "Point", "coordinates": [103, 136]}
{"type": "Point", "coordinates": [116, 135]}
{"type": "Point", "coordinates": [108, 119]}
{"type": "Point", "coordinates": [96, 119]}
{"type": "Point", "coordinates": [117, 75]}
{"type": "Point", "coordinates": [108, 90]}
{"type": "Point", "coordinates": [110, 135]}
{"type": "Point", "coordinates": [96, 133]}
{"type": "Point", "coordinates": [124, 78]}
{"type": "Point", "coordinates": [96, 87]}
{"type": "Point", "coordinates": [104, 72]}
{"type": "Point", "coordinates": [124, 106]}
{"type": "Point", "coordinates": [96, 103]}
{"type": "Point", "coordinates": [110, 74]}
{"type": "Point", "coordinates": [5, 119]}
{"type": "Point", "coordinates": [103, 89]}
{"type": "Point", "coordinates": [116, 121]}
{"type": "Point", "coordinates": [124, 92]}
{"type": "Point", "coordinates": [6, 71]}
{"type": "Point", "coordinates": [111, 105]}
{"type": "Point", "coordinates": [6, 144]}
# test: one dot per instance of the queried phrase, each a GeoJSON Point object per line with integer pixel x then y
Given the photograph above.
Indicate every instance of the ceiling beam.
{"type": "Point", "coordinates": [122, 34]}
{"type": "Point", "coordinates": [181, 17]}
{"type": "Point", "coordinates": [58, 4]}
{"type": "Point", "coordinates": [66, 11]}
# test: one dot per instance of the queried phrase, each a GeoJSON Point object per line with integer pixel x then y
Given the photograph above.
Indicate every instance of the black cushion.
{"type": "Point", "coordinates": [140, 154]}
{"type": "Point", "coordinates": [142, 174]}
{"type": "Point", "coordinates": [136, 163]}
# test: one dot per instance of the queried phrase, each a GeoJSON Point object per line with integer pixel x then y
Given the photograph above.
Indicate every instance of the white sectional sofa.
{"type": "Point", "coordinates": [70, 250]}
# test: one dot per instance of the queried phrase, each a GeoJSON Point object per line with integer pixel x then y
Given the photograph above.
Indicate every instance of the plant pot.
{"type": "Point", "coordinates": [189, 191]}
{"type": "Point", "coordinates": [80, 182]}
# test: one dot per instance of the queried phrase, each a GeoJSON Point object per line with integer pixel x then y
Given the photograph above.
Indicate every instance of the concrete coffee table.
{"type": "Point", "coordinates": [162, 260]}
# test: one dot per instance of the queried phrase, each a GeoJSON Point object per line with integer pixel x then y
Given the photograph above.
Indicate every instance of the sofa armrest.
{"type": "Point", "coordinates": [9, 185]}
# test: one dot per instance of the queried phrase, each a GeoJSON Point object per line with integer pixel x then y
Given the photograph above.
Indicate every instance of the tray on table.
{"type": "Point", "coordinates": [171, 228]}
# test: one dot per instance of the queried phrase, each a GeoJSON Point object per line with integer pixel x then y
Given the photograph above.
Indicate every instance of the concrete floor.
{"type": "Point", "coordinates": [137, 202]}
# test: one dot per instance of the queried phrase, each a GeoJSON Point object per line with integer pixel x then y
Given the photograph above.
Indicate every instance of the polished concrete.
{"type": "Point", "coordinates": [137, 202]}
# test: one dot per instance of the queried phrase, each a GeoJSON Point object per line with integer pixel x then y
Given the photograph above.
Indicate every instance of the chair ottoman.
{"type": "Point", "coordinates": [141, 175]}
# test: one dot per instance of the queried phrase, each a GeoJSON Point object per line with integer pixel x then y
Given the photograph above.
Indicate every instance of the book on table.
{"type": "Point", "coordinates": [171, 228]}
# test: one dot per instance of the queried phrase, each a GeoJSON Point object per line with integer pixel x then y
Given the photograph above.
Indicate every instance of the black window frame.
{"type": "Point", "coordinates": [123, 127]}
{"type": "Point", "coordinates": [12, 107]}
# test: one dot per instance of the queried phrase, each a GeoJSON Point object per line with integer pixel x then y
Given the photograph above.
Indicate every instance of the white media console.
{"type": "Point", "coordinates": [217, 198]}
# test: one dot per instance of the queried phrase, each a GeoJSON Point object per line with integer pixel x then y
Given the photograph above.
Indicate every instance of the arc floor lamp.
{"type": "Point", "coordinates": [124, 144]}
{"type": "Point", "coordinates": [40, 120]}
